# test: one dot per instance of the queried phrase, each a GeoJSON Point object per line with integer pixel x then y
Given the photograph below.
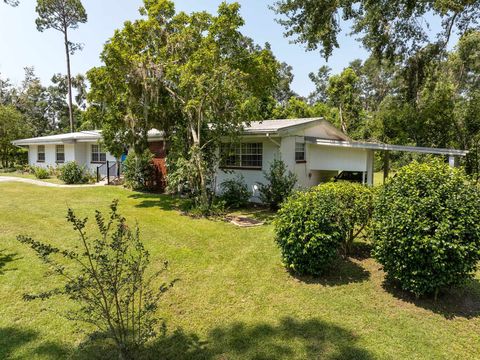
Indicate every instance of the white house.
{"type": "Point", "coordinates": [83, 147]}
{"type": "Point", "coordinates": [311, 148]}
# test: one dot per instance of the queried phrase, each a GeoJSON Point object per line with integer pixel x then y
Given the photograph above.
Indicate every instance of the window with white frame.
{"type": "Point", "coordinates": [98, 154]}
{"type": "Point", "coordinates": [300, 151]}
{"type": "Point", "coordinates": [60, 153]}
{"type": "Point", "coordinates": [244, 155]}
{"type": "Point", "coordinates": [41, 153]}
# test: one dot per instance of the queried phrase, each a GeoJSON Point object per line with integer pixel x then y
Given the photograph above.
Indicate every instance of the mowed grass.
{"type": "Point", "coordinates": [232, 298]}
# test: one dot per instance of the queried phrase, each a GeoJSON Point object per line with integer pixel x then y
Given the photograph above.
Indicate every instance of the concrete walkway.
{"type": "Point", "coordinates": [4, 179]}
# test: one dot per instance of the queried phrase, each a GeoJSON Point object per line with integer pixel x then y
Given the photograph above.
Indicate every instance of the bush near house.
{"type": "Point", "coordinates": [235, 193]}
{"type": "Point", "coordinates": [280, 185]}
{"type": "Point", "coordinates": [426, 228]}
{"type": "Point", "coordinates": [138, 170]}
{"type": "Point", "coordinates": [41, 173]}
{"type": "Point", "coordinates": [72, 173]}
{"type": "Point", "coordinates": [314, 227]}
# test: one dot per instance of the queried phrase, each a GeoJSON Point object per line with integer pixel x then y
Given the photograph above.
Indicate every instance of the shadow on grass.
{"type": "Point", "coordinates": [344, 271]}
{"type": "Point", "coordinates": [161, 201]}
{"type": "Point", "coordinates": [13, 339]}
{"type": "Point", "coordinates": [6, 259]}
{"type": "Point", "coordinates": [285, 340]}
{"type": "Point", "coordinates": [257, 212]}
{"type": "Point", "coordinates": [361, 250]}
{"type": "Point", "coordinates": [461, 301]}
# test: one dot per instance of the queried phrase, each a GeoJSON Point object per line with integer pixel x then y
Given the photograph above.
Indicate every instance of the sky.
{"type": "Point", "coordinates": [22, 45]}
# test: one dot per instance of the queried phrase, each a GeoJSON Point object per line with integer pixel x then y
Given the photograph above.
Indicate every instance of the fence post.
{"type": "Point", "coordinates": [98, 174]}
{"type": "Point", "coordinates": [108, 173]}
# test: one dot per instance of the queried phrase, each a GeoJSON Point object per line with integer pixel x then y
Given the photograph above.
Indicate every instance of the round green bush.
{"type": "Point", "coordinates": [426, 228]}
{"type": "Point", "coordinates": [313, 227]}
{"type": "Point", "coordinates": [138, 170]}
{"type": "Point", "coordinates": [307, 231]}
{"type": "Point", "coordinates": [72, 173]}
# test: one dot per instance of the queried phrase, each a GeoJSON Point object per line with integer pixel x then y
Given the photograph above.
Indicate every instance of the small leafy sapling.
{"type": "Point", "coordinates": [107, 278]}
{"type": "Point", "coordinates": [280, 184]}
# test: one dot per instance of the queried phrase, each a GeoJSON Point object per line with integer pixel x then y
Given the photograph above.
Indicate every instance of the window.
{"type": "Point", "coordinates": [300, 152]}
{"type": "Point", "coordinates": [98, 154]}
{"type": "Point", "coordinates": [60, 153]}
{"type": "Point", "coordinates": [245, 155]}
{"type": "Point", "coordinates": [41, 153]}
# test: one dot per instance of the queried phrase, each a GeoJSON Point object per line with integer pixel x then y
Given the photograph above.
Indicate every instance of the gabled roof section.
{"type": "Point", "coordinates": [284, 126]}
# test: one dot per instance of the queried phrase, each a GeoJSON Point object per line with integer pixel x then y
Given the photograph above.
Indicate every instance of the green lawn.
{"type": "Point", "coordinates": [52, 179]}
{"type": "Point", "coordinates": [233, 299]}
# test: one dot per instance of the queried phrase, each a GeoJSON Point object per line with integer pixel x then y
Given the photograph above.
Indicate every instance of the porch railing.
{"type": "Point", "coordinates": [110, 170]}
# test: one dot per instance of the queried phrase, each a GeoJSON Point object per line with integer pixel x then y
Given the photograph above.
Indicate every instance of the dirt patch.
{"type": "Point", "coordinates": [243, 221]}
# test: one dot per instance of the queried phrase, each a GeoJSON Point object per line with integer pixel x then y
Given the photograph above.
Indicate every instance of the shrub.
{"type": "Point", "coordinates": [307, 231]}
{"type": "Point", "coordinates": [426, 228]}
{"type": "Point", "coordinates": [235, 192]}
{"type": "Point", "coordinates": [106, 275]}
{"type": "Point", "coordinates": [72, 173]}
{"type": "Point", "coordinates": [138, 170]}
{"type": "Point", "coordinates": [280, 185]}
{"type": "Point", "coordinates": [354, 207]}
{"type": "Point", "coordinates": [312, 227]}
{"type": "Point", "coordinates": [41, 173]}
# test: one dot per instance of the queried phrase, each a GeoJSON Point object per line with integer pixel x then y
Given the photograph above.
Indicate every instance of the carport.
{"type": "Point", "coordinates": [359, 156]}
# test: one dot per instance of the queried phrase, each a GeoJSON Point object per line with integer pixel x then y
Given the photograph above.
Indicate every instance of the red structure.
{"type": "Point", "coordinates": [159, 151]}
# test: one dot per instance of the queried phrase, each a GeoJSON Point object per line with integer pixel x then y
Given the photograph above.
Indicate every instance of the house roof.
{"type": "Point", "coordinates": [285, 126]}
{"type": "Point", "coordinates": [93, 135]}
{"type": "Point", "coordinates": [70, 138]}
{"type": "Point", "coordinates": [330, 136]}
{"type": "Point", "coordinates": [267, 126]}
{"type": "Point", "coordinates": [386, 147]}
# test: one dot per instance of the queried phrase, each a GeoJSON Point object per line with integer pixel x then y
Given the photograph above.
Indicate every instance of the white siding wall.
{"type": "Point", "coordinates": [251, 177]}
{"type": "Point", "coordinates": [79, 152]}
{"type": "Point", "coordinates": [337, 159]}
{"type": "Point", "coordinates": [69, 152]}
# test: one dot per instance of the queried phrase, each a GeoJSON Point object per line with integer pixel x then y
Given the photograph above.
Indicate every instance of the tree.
{"type": "Point", "coordinates": [195, 76]}
{"type": "Point", "coordinates": [62, 15]}
{"type": "Point", "coordinates": [297, 108]}
{"type": "Point", "coordinates": [343, 92]}
{"type": "Point", "coordinates": [12, 127]}
{"type": "Point", "coordinates": [320, 80]}
{"type": "Point", "coordinates": [283, 91]}
{"type": "Point", "coordinates": [389, 29]}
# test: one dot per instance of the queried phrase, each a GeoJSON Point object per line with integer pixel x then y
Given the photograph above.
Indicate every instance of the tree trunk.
{"type": "Point", "coordinates": [342, 123]}
{"type": "Point", "coordinates": [69, 81]}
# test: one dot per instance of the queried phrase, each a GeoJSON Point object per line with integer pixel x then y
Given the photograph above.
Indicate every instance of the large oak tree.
{"type": "Point", "coordinates": [195, 76]}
